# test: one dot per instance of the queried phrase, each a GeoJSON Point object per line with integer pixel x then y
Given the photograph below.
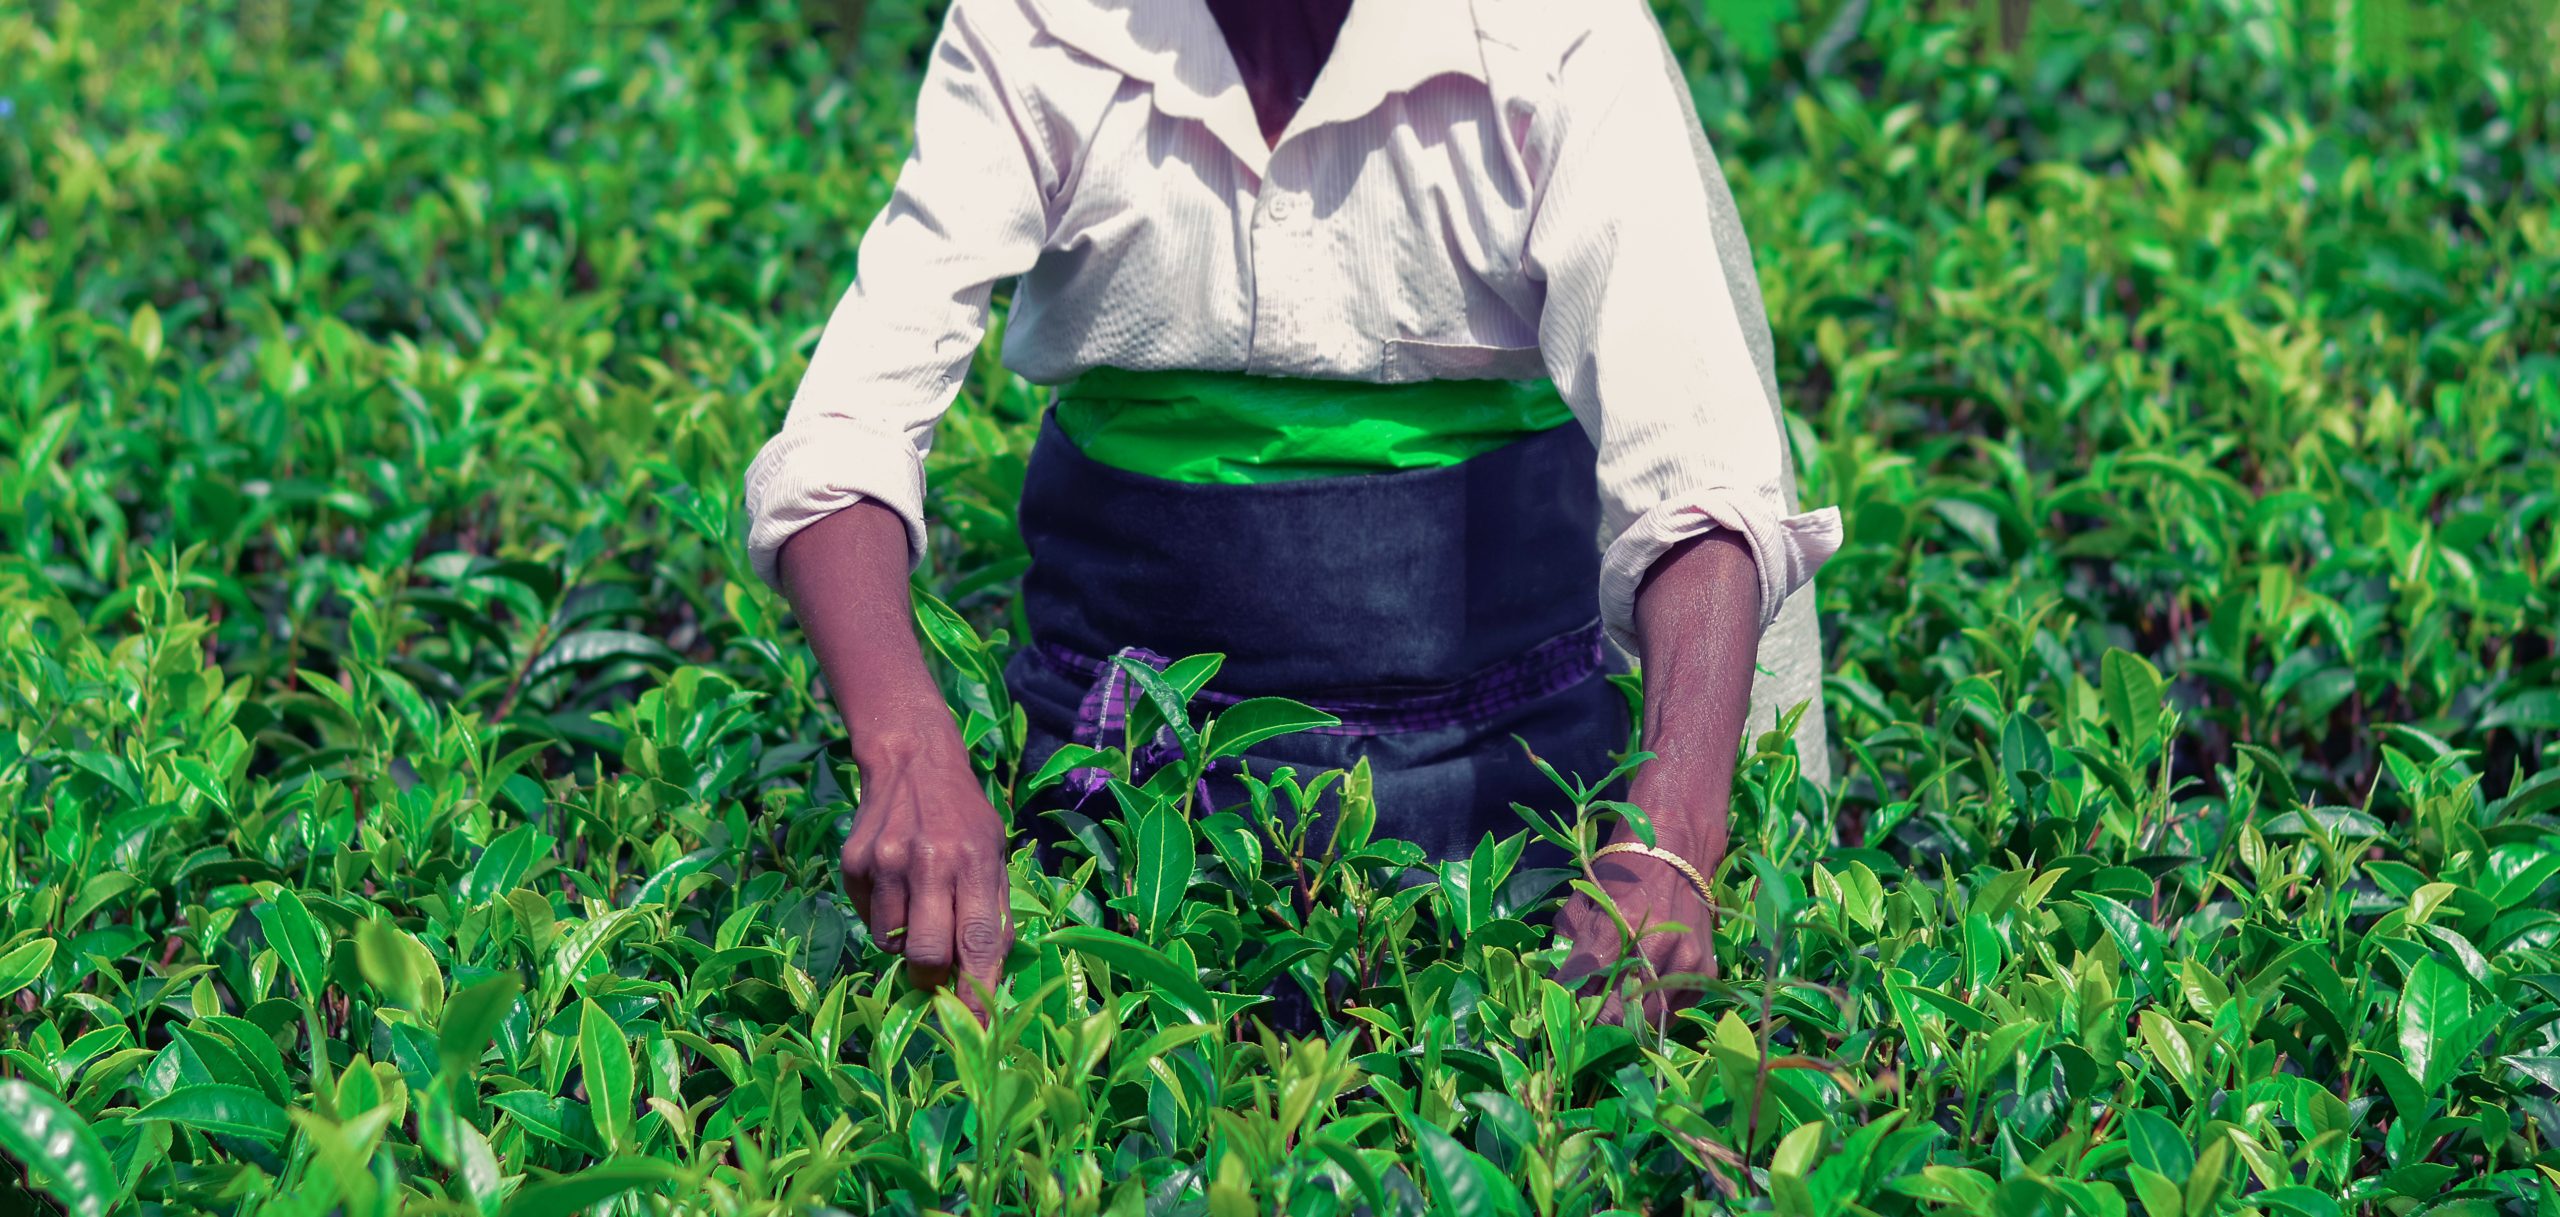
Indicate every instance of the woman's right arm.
{"type": "Point", "coordinates": [926, 861]}
{"type": "Point", "coordinates": [836, 498]}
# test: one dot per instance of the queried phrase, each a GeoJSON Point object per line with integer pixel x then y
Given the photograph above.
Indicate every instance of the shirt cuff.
{"type": "Point", "coordinates": [805, 474]}
{"type": "Point", "coordinates": [1787, 549]}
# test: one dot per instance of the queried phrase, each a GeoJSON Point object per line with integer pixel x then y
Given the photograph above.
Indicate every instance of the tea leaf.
{"type": "Point", "coordinates": [2435, 1018]}
{"type": "Point", "coordinates": [605, 1059]}
{"type": "Point", "coordinates": [1166, 979]}
{"type": "Point", "coordinates": [2132, 687]}
{"type": "Point", "coordinates": [216, 1107]}
{"type": "Point", "coordinates": [577, 1192]}
{"type": "Point", "coordinates": [24, 965]}
{"type": "Point", "coordinates": [470, 1021]}
{"type": "Point", "coordinates": [1256, 719]}
{"type": "Point", "coordinates": [60, 1153]}
{"type": "Point", "coordinates": [1165, 855]}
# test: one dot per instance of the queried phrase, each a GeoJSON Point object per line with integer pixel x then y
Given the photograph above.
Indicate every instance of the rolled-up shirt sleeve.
{"type": "Point", "coordinates": [1639, 329]}
{"type": "Point", "coordinates": [968, 211]}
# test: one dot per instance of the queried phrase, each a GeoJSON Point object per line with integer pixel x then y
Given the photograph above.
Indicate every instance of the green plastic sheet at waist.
{"type": "Point", "coordinates": [1232, 427]}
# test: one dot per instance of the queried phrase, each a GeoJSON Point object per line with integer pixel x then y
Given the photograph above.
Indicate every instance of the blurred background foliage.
{"type": "Point", "coordinates": [382, 673]}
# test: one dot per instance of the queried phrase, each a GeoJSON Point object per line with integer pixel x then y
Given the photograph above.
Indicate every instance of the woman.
{"type": "Point", "coordinates": [1393, 338]}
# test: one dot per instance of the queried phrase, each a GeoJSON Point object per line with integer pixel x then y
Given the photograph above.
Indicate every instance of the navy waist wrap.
{"type": "Point", "coordinates": [1436, 611]}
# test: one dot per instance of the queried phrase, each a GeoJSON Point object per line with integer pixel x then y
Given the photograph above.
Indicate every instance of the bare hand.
{"type": "Point", "coordinates": [926, 867]}
{"type": "Point", "coordinates": [1651, 894]}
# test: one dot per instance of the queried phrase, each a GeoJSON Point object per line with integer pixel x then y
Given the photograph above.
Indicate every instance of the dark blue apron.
{"type": "Point", "coordinates": [1439, 612]}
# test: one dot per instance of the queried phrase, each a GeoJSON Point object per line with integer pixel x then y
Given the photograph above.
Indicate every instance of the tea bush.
{"type": "Point", "coordinates": [413, 803]}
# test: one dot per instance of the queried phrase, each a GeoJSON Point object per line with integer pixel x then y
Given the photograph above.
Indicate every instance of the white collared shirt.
{"type": "Point", "coordinates": [1474, 188]}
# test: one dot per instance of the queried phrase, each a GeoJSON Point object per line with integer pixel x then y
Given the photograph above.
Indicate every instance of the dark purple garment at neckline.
{"type": "Point", "coordinates": [1279, 47]}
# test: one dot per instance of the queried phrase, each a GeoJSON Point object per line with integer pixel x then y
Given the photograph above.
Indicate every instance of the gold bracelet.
{"type": "Point", "coordinates": [1706, 894]}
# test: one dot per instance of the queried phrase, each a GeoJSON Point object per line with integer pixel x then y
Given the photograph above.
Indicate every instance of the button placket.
{"type": "Point", "coordinates": [1278, 207]}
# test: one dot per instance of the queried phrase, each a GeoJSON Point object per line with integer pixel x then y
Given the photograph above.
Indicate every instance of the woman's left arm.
{"type": "Point", "coordinates": [1698, 616]}
{"type": "Point", "coordinates": [1642, 335]}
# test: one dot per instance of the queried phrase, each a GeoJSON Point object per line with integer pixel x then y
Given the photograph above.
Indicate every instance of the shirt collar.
{"type": "Point", "coordinates": [1386, 47]}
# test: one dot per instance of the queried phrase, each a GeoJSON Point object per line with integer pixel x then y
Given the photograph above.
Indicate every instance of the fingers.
{"type": "Point", "coordinates": [1657, 1009]}
{"type": "Point", "coordinates": [984, 926]}
{"type": "Point", "coordinates": [856, 861]}
{"type": "Point", "coordinates": [1586, 962]}
{"type": "Point", "coordinates": [1679, 960]}
{"type": "Point", "coordinates": [929, 915]}
{"type": "Point", "coordinates": [889, 897]}
{"type": "Point", "coordinates": [1595, 943]}
{"type": "Point", "coordinates": [1672, 944]}
{"type": "Point", "coordinates": [925, 867]}
{"type": "Point", "coordinates": [1594, 959]}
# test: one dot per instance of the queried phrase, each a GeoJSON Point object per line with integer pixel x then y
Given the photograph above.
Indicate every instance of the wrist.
{"type": "Point", "coordinates": [909, 749]}
{"type": "Point", "coordinates": [1685, 818]}
{"type": "Point", "coordinates": [1702, 845]}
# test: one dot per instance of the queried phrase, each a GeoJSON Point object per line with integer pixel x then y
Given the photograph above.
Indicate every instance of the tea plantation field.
{"type": "Point", "coordinates": [409, 801]}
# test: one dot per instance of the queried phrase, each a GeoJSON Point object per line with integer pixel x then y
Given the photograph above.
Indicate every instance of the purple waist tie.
{"type": "Point", "coordinates": [1550, 667]}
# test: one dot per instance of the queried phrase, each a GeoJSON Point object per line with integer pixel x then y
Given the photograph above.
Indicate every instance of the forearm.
{"type": "Point", "coordinates": [925, 862]}
{"type": "Point", "coordinates": [846, 577]}
{"type": "Point", "coordinates": [1697, 618]}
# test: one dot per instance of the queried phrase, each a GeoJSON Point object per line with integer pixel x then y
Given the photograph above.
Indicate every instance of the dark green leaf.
{"type": "Point", "coordinates": [2130, 686]}
{"type": "Point", "coordinates": [1256, 719]}
{"type": "Point", "coordinates": [216, 1107]}
{"type": "Point", "coordinates": [296, 937]}
{"type": "Point", "coordinates": [1456, 1173]}
{"type": "Point", "coordinates": [1143, 963]}
{"type": "Point", "coordinates": [504, 864]}
{"type": "Point", "coordinates": [1166, 854]}
{"type": "Point", "coordinates": [2435, 1016]}
{"type": "Point", "coordinates": [471, 1020]}
{"type": "Point", "coordinates": [2136, 939]}
{"type": "Point", "coordinates": [604, 1057]}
